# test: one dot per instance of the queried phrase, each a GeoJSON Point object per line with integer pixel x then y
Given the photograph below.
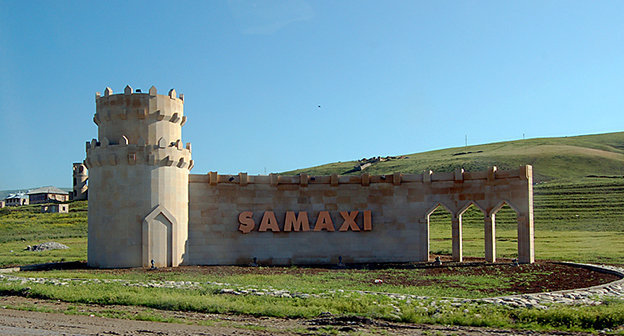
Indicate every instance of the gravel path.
{"type": "Point", "coordinates": [14, 322]}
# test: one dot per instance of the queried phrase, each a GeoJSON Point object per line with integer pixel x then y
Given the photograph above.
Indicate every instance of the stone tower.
{"type": "Point", "coordinates": [80, 176]}
{"type": "Point", "coordinates": [138, 180]}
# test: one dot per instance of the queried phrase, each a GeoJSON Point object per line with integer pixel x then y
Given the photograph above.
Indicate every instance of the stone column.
{"type": "Point", "coordinates": [457, 239]}
{"type": "Point", "coordinates": [490, 238]}
{"type": "Point", "coordinates": [526, 251]}
{"type": "Point", "coordinates": [423, 248]}
{"type": "Point", "coordinates": [526, 248]}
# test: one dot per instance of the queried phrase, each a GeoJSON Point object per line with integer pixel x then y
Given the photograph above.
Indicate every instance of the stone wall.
{"type": "Point", "coordinates": [138, 181]}
{"type": "Point", "coordinates": [146, 210]}
{"type": "Point", "coordinates": [234, 218]}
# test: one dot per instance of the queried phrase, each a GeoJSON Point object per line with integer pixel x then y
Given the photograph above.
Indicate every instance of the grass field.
{"type": "Point", "coordinates": [577, 218]}
{"type": "Point", "coordinates": [472, 286]}
{"type": "Point", "coordinates": [26, 225]}
{"type": "Point", "coordinates": [208, 300]}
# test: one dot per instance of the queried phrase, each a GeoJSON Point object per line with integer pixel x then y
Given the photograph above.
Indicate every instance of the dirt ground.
{"type": "Point", "coordinates": [86, 320]}
{"type": "Point", "coordinates": [560, 277]}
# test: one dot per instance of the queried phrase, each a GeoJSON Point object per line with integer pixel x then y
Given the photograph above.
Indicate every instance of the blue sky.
{"type": "Point", "coordinates": [393, 77]}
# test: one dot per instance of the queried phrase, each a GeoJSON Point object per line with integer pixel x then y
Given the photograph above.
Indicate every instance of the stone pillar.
{"type": "Point", "coordinates": [526, 251]}
{"type": "Point", "coordinates": [457, 238]}
{"type": "Point", "coordinates": [423, 248]}
{"type": "Point", "coordinates": [490, 238]}
{"type": "Point", "coordinates": [526, 248]}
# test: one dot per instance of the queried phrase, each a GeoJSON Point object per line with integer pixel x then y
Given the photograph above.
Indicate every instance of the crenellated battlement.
{"type": "Point", "coordinates": [139, 128]}
{"type": "Point", "coordinates": [137, 105]}
{"type": "Point", "coordinates": [458, 176]}
{"type": "Point", "coordinates": [153, 92]}
{"type": "Point", "coordinates": [139, 118]}
{"type": "Point", "coordinates": [132, 154]}
{"type": "Point", "coordinates": [123, 141]}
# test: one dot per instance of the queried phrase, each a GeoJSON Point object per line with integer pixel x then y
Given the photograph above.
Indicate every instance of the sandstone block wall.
{"type": "Point", "coordinates": [138, 181]}
{"type": "Point", "coordinates": [399, 205]}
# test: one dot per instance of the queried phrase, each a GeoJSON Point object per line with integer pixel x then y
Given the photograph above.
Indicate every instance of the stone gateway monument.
{"type": "Point", "coordinates": [146, 210]}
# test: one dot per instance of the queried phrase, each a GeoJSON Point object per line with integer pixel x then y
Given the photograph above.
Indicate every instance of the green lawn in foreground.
{"type": "Point", "coordinates": [206, 300]}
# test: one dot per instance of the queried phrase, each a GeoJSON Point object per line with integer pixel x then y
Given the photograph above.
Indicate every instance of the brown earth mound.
{"type": "Point", "coordinates": [530, 278]}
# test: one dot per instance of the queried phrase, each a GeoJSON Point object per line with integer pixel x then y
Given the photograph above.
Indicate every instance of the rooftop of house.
{"type": "Point", "coordinates": [17, 195]}
{"type": "Point", "coordinates": [48, 190]}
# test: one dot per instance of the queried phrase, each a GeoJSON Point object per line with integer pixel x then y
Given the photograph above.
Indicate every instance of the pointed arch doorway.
{"type": "Point", "coordinates": [158, 238]}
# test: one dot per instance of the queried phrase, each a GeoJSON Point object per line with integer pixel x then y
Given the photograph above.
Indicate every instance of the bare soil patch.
{"type": "Point", "coordinates": [539, 277]}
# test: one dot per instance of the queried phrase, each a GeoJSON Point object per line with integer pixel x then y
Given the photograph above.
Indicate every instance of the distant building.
{"type": "Point", "coordinates": [48, 195]}
{"type": "Point", "coordinates": [80, 188]}
{"type": "Point", "coordinates": [55, 208]}
{"type": "Point", "coordinates": [2, 204]}
{"type": "Point", "coordinates": [16, 199]}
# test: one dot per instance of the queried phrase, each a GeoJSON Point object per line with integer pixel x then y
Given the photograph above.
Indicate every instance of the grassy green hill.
{"type": "Point", "coordinates": [564, 158]}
